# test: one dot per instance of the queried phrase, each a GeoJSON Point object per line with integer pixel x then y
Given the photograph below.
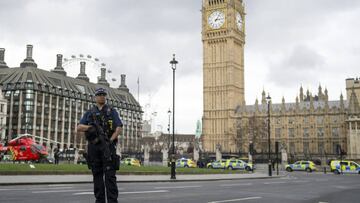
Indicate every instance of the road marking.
{"type": "Point", "coordinates": [301, 181]}
{"type": "Point", "coordinates": [239, 184]}
{"type": "Point", "coordinates": [57, 191]}
{"type": "Point", "coordinates": [268, 183]}
{"type": "Point", "coordinates": [123, 193]}
{"type": "Point", "coordinates": [179, 187]}
{"type": "Point", "coordinates": [143, 192]}
{"type": "Point", "coordinates": [60, 185]}
{"type": "Point", "coordinates": [235, 200]}
{"type": "Point", "coordinates": [22, 189]}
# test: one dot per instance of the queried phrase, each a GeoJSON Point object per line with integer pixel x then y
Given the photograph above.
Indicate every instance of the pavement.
{"type": "Point", "coordinates": [73, 179]}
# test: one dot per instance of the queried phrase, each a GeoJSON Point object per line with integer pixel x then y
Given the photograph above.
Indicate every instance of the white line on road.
{"type": "Point", "coordinates": [60, 185]}
{"type": "Point", "coordinates": [143, 192]}
{"type": "Point", "coordinates": [301, 181]}
{"type": "Point", "coordinates": [235, 200]}
{"type": "Point", "coordinates": [179, 187]}
{"type": "Point", "coordinates": [124, 193]}
{"type": "Point", "coordinates": [24, 189]}
{"type": "Point", "coordinates": [57, 191]}
{"type": "Point", "coordinates": [239, 184]}
{"type": "Point", "coordinates": [268, 183]}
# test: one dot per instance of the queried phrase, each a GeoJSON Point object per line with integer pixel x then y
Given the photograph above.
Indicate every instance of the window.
{"type": "Point", "coordinates": [306, 119]}
{"type": "Point", "coordinates": [320, 132]}
{"type": "Point", "coordinates": [306, 132]}
{"type": "Point", "coordinates": [320, 147]}
{"type": "Point", "coordinates": [2, 108]}
{"type": "Point", "coordinates": [277, 132]}
{"type": "Point", "coordinates": [319, 119]}
{"type": "Point", "coordinates": [291, 132]}
{"type": "Point", "coordinates": [8, 93]}
{"type": "Point", "coordinates": [291, 120]}
{"type": "Point", "coordinates": [306, 147]}
{"type": "Point", "coordinates": [335, 132]}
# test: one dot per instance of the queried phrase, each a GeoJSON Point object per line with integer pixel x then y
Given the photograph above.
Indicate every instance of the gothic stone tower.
{"type": "Point", "coordinates": [223, 36]}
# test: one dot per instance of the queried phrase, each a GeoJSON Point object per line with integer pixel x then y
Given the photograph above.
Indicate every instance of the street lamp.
{"type": "Point", "coordinates": [173, 63]}
{"type": "Point", "coordinates": [168, 144]}
{"type": "Point", "coordinates": [268, 100]}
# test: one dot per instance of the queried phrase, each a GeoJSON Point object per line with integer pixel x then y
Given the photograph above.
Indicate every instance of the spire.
{"type": "Point", "coordinates": [311, 102]}
{"type": "Point", "coordinates": [102, 79]}
{"type": "Point", "coordinates": [283, 104]}
{"type": "Point", "coordinates": [263, 97]}
{"type": "Point", "coordinates": [59, 69]}
{"type": "Point", "coordinates": [320, 93]}
{"type": "Point", "coordinates": [301, 94]}
{"type": "Point", "coordinates": [28, 61]}
{"type": "Point", "coordinates": [256, 104]}
{"type": "Point", "coordinates": [2, 58]}
{"type": "Point", "coordinates": [82, 75]}
{"type": "Point", "coordinates": [326, 97]}
{"type": "Point", "coordinates": [341, 101]}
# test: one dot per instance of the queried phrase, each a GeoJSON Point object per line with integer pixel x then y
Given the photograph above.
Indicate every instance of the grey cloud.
{"type": "Point", "coordinates": [301, 64]}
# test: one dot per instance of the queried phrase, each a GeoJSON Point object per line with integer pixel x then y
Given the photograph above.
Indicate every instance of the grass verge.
{"type": "Point", "coordinates": [61, 169]}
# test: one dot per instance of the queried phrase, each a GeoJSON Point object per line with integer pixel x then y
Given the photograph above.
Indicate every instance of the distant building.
{"type": "Point", "coordinates": [310, 128]}
{"type": "Point", "coordinates": [3, 111]}
{"type": "Point", "coordinates": [49, 104]}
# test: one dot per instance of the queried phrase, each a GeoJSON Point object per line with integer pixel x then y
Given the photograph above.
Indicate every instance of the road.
{"type": "Point", "coordinates": [294, 187]}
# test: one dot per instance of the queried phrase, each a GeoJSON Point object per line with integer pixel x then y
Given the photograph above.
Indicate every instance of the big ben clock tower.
{"type": "Point", "coordinates": [223, 36]}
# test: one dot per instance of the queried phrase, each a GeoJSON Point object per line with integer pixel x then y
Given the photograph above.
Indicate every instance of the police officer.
{"type": "Point", "coordinates": [108, 119]}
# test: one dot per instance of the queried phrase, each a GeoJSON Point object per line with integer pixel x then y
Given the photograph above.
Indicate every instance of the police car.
{"type": "Point", "coordinates": [217, 164]}
{"type": "Point", "coordinates": [132, 162]}
{"type": "Point", "coordinates": [345, 167]}
{"type": "Point", "coordinates": [233, 164]}
{"type": "Point", "coordinates": [185, 163]}
{"type": "Point", "coordinates": [308, 166]}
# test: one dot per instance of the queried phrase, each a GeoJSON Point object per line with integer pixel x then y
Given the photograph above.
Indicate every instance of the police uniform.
{"type": "Point", "coordinates": [108, 119]}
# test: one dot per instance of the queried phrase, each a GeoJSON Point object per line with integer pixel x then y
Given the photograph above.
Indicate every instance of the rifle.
{"type": "Point", "coordinates": [103, 141]}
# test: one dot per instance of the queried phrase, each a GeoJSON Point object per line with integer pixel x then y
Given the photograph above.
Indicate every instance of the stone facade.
{"type": "Point", "coordinates": [311, 127]}
{"type": "Point", "coordinates": [223, 39]}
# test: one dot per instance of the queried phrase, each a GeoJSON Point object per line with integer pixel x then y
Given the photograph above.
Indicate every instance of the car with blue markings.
{"type": "Point", "coordinates": [185, 163]}
{"type": "Point", "coordinates": [345, 167]}
{"type": "Point", "coordinates": [307, 166]}
{"type": "Point", "coordinates": [233, 164]}
{"type": "Point", "coordinates": [220, 164]}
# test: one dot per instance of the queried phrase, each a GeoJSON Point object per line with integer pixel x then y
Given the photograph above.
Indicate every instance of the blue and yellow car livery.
{"type": "Point", "coordinates": [308, 166]}
{"type": "Point", "coordinates": [185, 163]}
{"type": "Point", "coordinates": [233, 164]}
{"type": "Point", "coordinates": [132, 162]}
{"type": "Point", "coordinates": [217, 164]}
{"type": "Point", "coordinates": [345, 167]}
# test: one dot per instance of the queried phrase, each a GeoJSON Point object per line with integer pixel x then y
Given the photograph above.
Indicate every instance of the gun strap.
{"type": "Point", "coordinates": [103, 123]}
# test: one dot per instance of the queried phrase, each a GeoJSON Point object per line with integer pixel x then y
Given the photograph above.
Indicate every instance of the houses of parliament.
{"type": "Point", "coordinates": [311, 126]}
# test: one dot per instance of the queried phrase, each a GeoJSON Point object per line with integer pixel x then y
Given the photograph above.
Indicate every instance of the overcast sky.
{"type": "Point", "coordinates": [288, 43]}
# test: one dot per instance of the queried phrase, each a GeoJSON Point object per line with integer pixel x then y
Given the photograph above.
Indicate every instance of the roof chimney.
{"type": "Point", "coordinates": [82, 75]}
{"type": "Point", "coordinates": [123, 83]}
{"type": "Point", "coordinates": [2, 57]}
{"type": "Point", "coordinates": [29, 61]}
{"type": "Point", "coordinates": [102, 80]}
{"type": "Point", "coordinates": [59, 69]}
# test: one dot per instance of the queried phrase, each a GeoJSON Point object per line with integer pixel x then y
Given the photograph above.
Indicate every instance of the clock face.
{"type": "Point", "coordinates": [239, 21]}
{"type": "Point", "coordinates": [216, 19]}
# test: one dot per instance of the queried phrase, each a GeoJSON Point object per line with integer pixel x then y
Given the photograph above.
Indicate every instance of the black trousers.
{"type": "Point", "coordinates": [104, 175]}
